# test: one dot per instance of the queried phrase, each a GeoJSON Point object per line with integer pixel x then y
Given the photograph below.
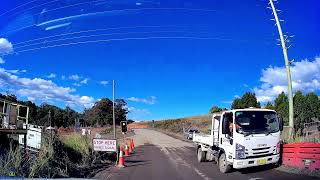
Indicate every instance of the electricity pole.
{"type": "Point", "coordinates": [287, 63]}
{"type": "Point", "coordinates": [113, 115]}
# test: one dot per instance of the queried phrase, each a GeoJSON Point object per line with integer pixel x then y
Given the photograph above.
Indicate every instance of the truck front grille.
{"type": "Point", "coordinates": [258, 149]}
{"type": "Point", "coordinates": [258, 156]}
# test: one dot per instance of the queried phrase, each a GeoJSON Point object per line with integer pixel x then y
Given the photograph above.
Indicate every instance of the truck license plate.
{"type": "Point", "coordinates": [261, 161]}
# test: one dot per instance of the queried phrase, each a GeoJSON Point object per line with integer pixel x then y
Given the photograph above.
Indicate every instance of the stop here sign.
{"type": "Point", "coordinates": [109, 145]}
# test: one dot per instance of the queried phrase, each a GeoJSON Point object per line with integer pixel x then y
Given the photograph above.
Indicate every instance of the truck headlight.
{"type": "Point", "coordinates": [240, 151]}
{"type": "Point", "coordinates": [278, 147]}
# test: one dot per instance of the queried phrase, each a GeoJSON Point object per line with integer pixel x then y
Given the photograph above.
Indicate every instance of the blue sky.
{"type": "Point", "coordinates": [169, 58]}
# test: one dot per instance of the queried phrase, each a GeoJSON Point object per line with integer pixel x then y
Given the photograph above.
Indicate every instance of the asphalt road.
{"type": "Point", "coordinates": [161, 157]}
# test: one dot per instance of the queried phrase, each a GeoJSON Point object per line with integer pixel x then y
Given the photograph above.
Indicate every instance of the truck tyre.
{"type": "Point", "coordinates": [224, 167]}
{"type": "Point", "coordinates": [201, 155]}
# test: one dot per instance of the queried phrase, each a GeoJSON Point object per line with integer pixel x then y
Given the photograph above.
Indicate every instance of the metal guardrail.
{"type": "Point", "coordinates": [302, 155]}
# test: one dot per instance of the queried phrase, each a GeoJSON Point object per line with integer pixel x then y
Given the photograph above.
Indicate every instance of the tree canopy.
{"type": "Point", "coordinates": [247, 100]}
{"type": "Point", "coordinates": [214, 109]}
{"type": "Point", "coordinates": [101, 112]}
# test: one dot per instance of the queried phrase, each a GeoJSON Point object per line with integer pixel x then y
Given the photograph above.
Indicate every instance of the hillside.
{"type": "Point", "coordinates": [176, 126]}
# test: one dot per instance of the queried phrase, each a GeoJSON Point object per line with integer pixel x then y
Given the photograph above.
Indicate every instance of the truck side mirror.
{"type": "Point", "coordinates": [280, 124]}
{"type": "Point", "coordinates": [225, 126]}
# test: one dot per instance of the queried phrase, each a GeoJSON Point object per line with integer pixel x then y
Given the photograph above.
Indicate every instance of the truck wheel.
{"type": "Point", "coordinates": [224, 167]}
{"type": "Point", "coordinates": [201, 155]}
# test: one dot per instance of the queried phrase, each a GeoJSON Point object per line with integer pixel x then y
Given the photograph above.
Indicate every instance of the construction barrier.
{"type": "Point", "coordinates": [302, 155]}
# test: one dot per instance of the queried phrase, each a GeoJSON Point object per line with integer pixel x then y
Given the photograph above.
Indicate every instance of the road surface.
{"type": "Point", "coordinates": [161, 157]}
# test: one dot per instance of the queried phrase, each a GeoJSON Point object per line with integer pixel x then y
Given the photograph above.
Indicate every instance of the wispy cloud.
{"type": "Point", "coordinates": [150, 100]}
{"type": "Point", "coordinates": [15, 71]}
{"type": "Point", "coordinates": [51, 76]}
{"type": "Point", "coordinates": [137, 113]}
{"type": "Point", "coordinates": [43, 90]}
{"type": "Point", "coordinates": [2, 61]}
{"type": "Point", "coordinates": [305, 77]}
{"type": "Point", "coordinates": [84, 81]}
{"type": "Point", "coordinates": [74, 77]}
{"type": "Point", "coordinates": [76, 84]}
{"type": "Point", "coordinates": [104, 83]}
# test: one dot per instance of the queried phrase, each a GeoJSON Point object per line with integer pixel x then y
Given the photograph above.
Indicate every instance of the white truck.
{"type": "Point", "coordinates": [241, 138]}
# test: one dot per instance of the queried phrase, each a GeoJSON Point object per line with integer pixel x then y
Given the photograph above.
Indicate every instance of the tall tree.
{"type": "Point", "coordinates": [313, 106]}
{"type": "Point", "coordinates": [237, 104]}
{"type": "Point", "coordinates": [247, 100]}
{"type": "Point", "coordinates": [300, 110]}
{"type": "Point", "coordinates": [250, 100]}
{"type": "Point", "coordinates": [121, 110]}
{"type": "Point", "coordinates": [281, 105]}
{"type": "Point", "coordinates": [269, 105]}
{"type": "Point", "coordinates": [101, 113]}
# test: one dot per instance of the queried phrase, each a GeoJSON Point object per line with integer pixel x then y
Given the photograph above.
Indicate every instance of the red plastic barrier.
{"type": "Point", "coordinates": [302, 155]}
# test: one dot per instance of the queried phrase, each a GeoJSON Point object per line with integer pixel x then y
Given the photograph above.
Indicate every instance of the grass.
{"type": "Point", "coordinates": [78, 143]}
{"type": "Point", "coordinates": [11, 162]}
{"type": "Point", "coordinates": [40, 167]}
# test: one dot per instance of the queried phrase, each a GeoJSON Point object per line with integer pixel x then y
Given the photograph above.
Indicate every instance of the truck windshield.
{"type": "Point", "coordinates": [256, 122]}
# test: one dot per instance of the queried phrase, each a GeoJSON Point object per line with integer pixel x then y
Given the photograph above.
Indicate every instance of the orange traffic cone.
{"type": "Point", "coordinates": [126, 152]}
{"type": "Point", "coordinates": [121, 159]}
{"type": "Point", "coordinates": [131, 144]}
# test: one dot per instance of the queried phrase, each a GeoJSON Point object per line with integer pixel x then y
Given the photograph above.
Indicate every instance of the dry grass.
{"type": "Point", "coordinates": [78, 143]}
{"type": "Point", "coordinates": [10, 163]}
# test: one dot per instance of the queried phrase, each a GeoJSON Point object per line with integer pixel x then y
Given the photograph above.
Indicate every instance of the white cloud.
{"type": "Point", "coordinates": [305, 77]}
{"type": "Point", "coordinates": [76, 84]}
{"type": "Point", "coordinates": [63, 77]}
{"type": "Point", "coordinates": [75, 77]}
{"type": "Point", "coordinates": [138, 112]}
{"type": "Point", "coordinates": [44, 90]}
{"type": "Point", "coordinates": [150, 100]}
{"type": "Point", "coordinates": [5, 46]}
{"type": "Point", "coordinates": [51, 75]}
{"type": "Point", "coordinates": [245, 85]}
{"type": "Point", "coordinates": [2, 61]}
{"type": "Point", "coordinates": [15, 71]}
{"type": "Point", "coordinates": [84, 81]}
{"type": "Point", "coordinates": [104, 83]}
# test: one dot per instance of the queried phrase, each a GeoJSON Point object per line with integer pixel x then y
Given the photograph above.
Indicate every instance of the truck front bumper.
{"type": "Point", "coordinates": [244, 163]}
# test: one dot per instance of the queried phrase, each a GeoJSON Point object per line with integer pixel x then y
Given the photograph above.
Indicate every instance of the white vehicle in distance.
{"type": "Point", "coordinates": [190, 132]}
{"type": "Point", "coordinates": [241, 138]}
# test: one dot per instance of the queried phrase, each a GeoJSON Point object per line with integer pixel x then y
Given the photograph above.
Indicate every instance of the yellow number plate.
{"type": "Point", "coordinates": [261, 161]}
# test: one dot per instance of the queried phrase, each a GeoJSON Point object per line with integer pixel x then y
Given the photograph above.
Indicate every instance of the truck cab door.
{"type": "Point", "coordinates": [226, 138]}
